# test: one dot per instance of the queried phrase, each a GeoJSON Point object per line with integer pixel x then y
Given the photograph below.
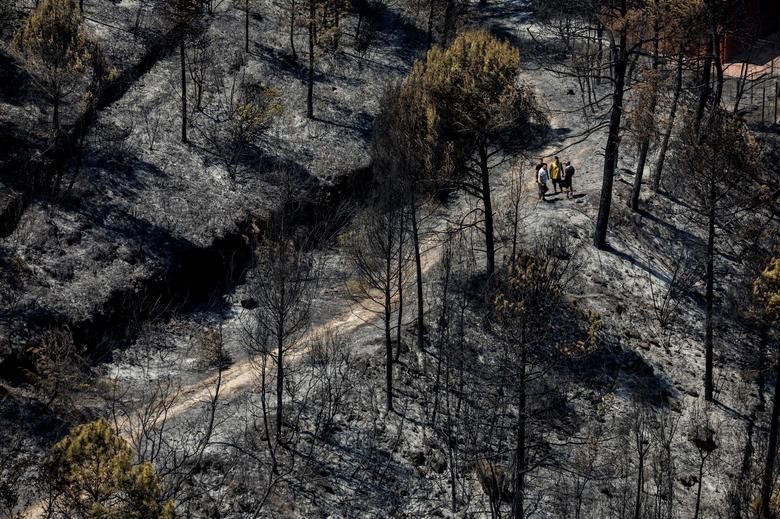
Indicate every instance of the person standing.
{"type": "Point", "coordinates": [541, 180]}
{"type": "Point", "coordinates": [556, 175]}
{"type": "Point", "coordinates": [568, 176]}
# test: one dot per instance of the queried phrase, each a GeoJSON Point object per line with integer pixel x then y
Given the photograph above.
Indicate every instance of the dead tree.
{"type": "Point", "coordinates": [528, 295]}
{"type": "Point", "coordinates": [286, 278]}
{"type": "Point", "coordinates": [646, 118]}
{"type": "Point", "coordinates": [200, 67]}
{"type": "Point", "coordinates": [246, 26]}
{"type": "Point", "coordinates": [163, 427]}
{"type": "Point", "coordinates": [322, 22]}
{"type": "Point", "coordinates": [669, 126]}
{"type": "Point", "coordinates": [720, 153]}
{"type": "Point", "coordinates": [702, 434]}
{"type": "Point", "coordinates": [53, 47]}
{"type": "Point", "coordinates": [401, 152]}
{"type": "Point", "coordinates": [766, 288]}
{"type": "Point", "coordinates": [58, 363]}
{"type": "Point", "coordinates": [374, 252]}
{"type": "Point", "coordinates": [182, 14]}
{"type": "Point", "coordinates": [234, 119]}
{"type": "Point", "coordinates": [620, 64]}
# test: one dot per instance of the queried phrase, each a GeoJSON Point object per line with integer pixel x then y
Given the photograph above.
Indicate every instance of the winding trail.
{"type": "Point", "coordinates": [243, 373]}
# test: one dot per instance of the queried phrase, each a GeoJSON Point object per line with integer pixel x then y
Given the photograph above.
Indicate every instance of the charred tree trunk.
{"type": "Point", "coordinates": [613, 141]}
{"type": "Point", "coordinates": [246, 26]}
{"type": "Point", "coordinates": [640, 483]}
{"type": "Point", "coordinates": [645, 145]}
{"type": "Point", "coordinates": [183, 91]}
{"type": "Point", "coordinates": [418, 269]}
{"type": "Point", "coordinates": [279, 380]}
{"type": "Point", "coordinates": [698, 489]}
{"type": "Point", "coordinates": [718, 68]}
{"type": "Point", "coordinates": [388, 344]}
{"type": "Point", "coordinates": [312, 38]}
{"type": "Point", "coordinates": [399, 322]}
{"type": "Point", "coordinates": [518, 500]}
{"type": "Point", "coordinates": [429, 40]}
{"type": "Point", "coordinates": [388, 316]}
{"type": "Point", "coordinates": [659, 165]}
{"type": "Point", "coordinates": [55, 118]}
{"type": "Point", "coordinates": [264, 406]}
{"type": "Point", "coordinates": [705, 90]}
{"type": "Point", "coordinates": [767, 480]}
{"type": "Point", "coordinates": [709, 292]}
{"type": "Point", "coordinates": [599, 52]}
{"type": "Point", "coordinates": [292, 31]}
{"type": "Point", "coordinates": [447, 23]}
{"type": "Point", "coordinates": [636, 189]}
{"type": "Point", "coordinates": [490, 249]}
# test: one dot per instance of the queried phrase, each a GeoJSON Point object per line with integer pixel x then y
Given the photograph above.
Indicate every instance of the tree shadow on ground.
{"type": "Point", "coordinates": [532, 49]}
{"type": "Point", "coordinates": [362, 127]}
{"type": "Point", "coordinates": [15, 86]}
{"type": "Point", "coordinates": [612, 364]}
{"type": "Point", "coordinates": [120, 171]}
{"type": "Point", "coordinates": [403, 36]}
{"type": "Point", "coordinates": [636, 262]}
{"type": "Point", "coordinates": [682, 233]}
{"type": "Point", "coordinates": [618, 366]}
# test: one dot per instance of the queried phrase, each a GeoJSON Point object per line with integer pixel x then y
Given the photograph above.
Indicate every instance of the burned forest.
{"type": "Point", "coordinates": [389, 258]}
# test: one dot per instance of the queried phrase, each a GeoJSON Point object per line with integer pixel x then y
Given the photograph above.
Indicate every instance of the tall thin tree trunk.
{"type": "Point", "coordinates": [645, 146]}
{"type": "Point", "coordinates": [399, 322]}
{"type": "Point", "coordinates": [698, 490]}
{"type": "Point", "coordinates": [640, 484]}
{"type": "Point", "coordinates": [264, 406]}
{"type": "Point", "coordinates": [418, 269]}
{"type": "Point", "coordinates": [600, 51]}
{"type": "Point", "coordinates": [429, 40]}
{"type": "Point", "coordinates": [183, 91]}
{"type": "Point", "coordinates": [279, 380]}
{"type": "Point", "coordinates": [388, 346]}
{"type": "Point", "coordinates": [613, 141]}
{"type": "Point", "coordinates": [312, 38]}
{"type": "Point", "coordinates": [292, 31]}
{"type": "Point", "coordinates": [446, 30]}
{"type": "Point", "coordinates": [636, 189]}
{"type": "Point", "coordinates": [768, 478]}
{"type": "Point", "coordinates": [55, 119]}
{"type": "Point", "coordinates": [518, 501]}
{"type": "Point", "coordinates": [388, 315]}
{"type": "Point", "coordinates": [718, 68]}
{"type": "Point", "coordinates": [709, 292]}
{"type": "Point", "coordinates": [705, 90]}
{"type": "Point", "coordinates": [659, 165]}
{"type": "Point", "coordinates": [246, 26]}
{"type": "Point", "coordinates": [490, 249]}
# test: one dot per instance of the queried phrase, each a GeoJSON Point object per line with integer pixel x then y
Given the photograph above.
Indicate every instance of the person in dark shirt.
{"type": "Point", "coordinates": [568, 175]}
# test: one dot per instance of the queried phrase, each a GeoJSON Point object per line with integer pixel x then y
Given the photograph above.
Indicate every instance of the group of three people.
{"type": "Point", "coordinates": [561, 177]}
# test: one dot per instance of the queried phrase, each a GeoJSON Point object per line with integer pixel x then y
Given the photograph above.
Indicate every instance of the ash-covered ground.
{"type": "Point", "coordinates": [145, 248]}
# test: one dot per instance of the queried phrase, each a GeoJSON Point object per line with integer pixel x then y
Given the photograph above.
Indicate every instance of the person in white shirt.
{"type": "Point", "coordinates": [541, 179]}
